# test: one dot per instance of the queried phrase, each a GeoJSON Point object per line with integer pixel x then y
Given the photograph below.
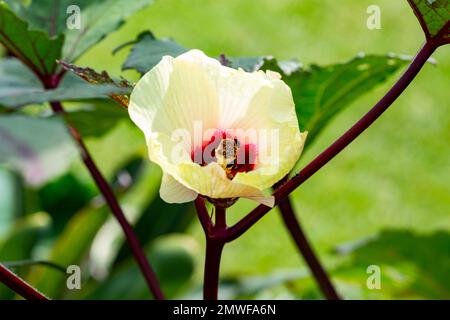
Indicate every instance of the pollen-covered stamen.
{"type": "Point", "coordinates": [226, 155]}
{"type": "Point", "coordinates": [228, 152]}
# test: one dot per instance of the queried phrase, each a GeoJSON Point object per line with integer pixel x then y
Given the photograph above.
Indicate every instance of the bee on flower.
{"type": "Point", "coordinates": [216, 131]}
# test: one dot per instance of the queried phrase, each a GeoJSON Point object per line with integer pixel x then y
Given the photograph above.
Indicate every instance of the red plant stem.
{"type": "Point", "coordinates": [293, 225]}
{"type": "Point", "coordinates": [420, 59]}
{"type": "Point", "coordinates": [214, 246]}
{"type": "Point", "coordinates": [203, 215]}
{"type": "Point", "coordinates": [19, 286]}
{"type": "Point", "coordinates": [212, 265]}
{"type": "Point", "coordinates": [114, 205]}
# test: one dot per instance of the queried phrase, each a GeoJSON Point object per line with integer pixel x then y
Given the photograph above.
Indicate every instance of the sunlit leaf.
{"type": "Point", "coordinates": [321, 92]}
{"type": "Point", "coordinates": [434, 17]}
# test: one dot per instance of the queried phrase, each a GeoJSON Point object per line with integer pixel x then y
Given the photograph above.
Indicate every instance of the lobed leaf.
{"type": "Point", "coordinates": [148, 51]}
{"type": "Point", "coordinates": [19, 86]}
{"type": "Point", "coordinates": [321, 92]}
{"type": "Point", "coordinates": [98, 19]}
{"type": "Point", "coordinates": [34, 47]}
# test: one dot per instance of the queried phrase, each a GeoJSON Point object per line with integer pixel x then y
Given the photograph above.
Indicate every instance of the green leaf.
{"type": "Point", "coordinates": [40, 148]}
{"type": "Point", "coordinates": [98, 19]}
{"type": "Point", "coordinates": [49, 16]}
{"type": "Point", "coordinates": [11, 199]}
{"type": "Point", "coordinates": [18, 244]}
{"type": "Point", "coordinates": [58, 200]}
{"type": "Point", "coordinates": [34, 47]}
{"type": "Point", "coordinates": [80, 91]}
{"type": "Point", "coordinates": [413, 266]}
{"type": "Point", "coordinates": [148, 51]}
{"type": "Point", "coordinates": [249, 64]}
{"type": "Point", "coordinates": [19, 87]}
{"type": "Point", "coordinates": [321, 92]}
{"type": "Point", "coordinates": [16, 79]}
{"type": "Point", "coordinates": [434, 17]}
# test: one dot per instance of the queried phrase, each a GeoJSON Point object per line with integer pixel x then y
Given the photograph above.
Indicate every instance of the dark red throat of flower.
{"type": "Point", "coordinates": [228, 152]}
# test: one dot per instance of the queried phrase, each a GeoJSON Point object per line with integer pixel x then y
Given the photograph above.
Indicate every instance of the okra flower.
{"type": "Point", "coordinates": [216, 131]}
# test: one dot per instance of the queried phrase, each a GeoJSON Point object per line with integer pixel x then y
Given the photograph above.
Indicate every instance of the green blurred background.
{"type": "Point", "coordinates": [383, 201]}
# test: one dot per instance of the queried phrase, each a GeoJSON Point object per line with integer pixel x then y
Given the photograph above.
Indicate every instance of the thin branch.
{"type": "Point", "coordinates": [30, 263]}
{"type": "Point", "coordinates": [12, 281]}
{"type": "Point", "coordinates": [202, 214]}
{"type": "Point", "coordinates": [255, 215]}
{"type": "Point", "coordinates": [293, 225]}
{"type": "Point", "coordinates": [110, 198]}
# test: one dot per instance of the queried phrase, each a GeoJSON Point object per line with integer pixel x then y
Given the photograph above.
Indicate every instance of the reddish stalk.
{"type": "Point", "coordinates": [12, 281]}
{"type": "Point", "coordinates": [293, 225]}
{"type": "Point", "coordinates": [114, 205]}
{"type": "Point", "coordinates": [413, 69]}
{"type": "Point", "coordinates": [111, 200]}
{"type": "Point", "coordinates": [215, 242]}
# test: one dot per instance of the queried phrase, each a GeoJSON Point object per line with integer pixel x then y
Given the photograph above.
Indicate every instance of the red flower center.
{"type": "Point", "coordinates": [227, 151]}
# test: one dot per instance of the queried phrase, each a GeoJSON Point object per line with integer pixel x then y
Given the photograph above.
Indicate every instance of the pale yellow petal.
{"type": "Point", "coordinates": [192, 89]}
{"type": "Point", "coordinates": [172, 191]}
